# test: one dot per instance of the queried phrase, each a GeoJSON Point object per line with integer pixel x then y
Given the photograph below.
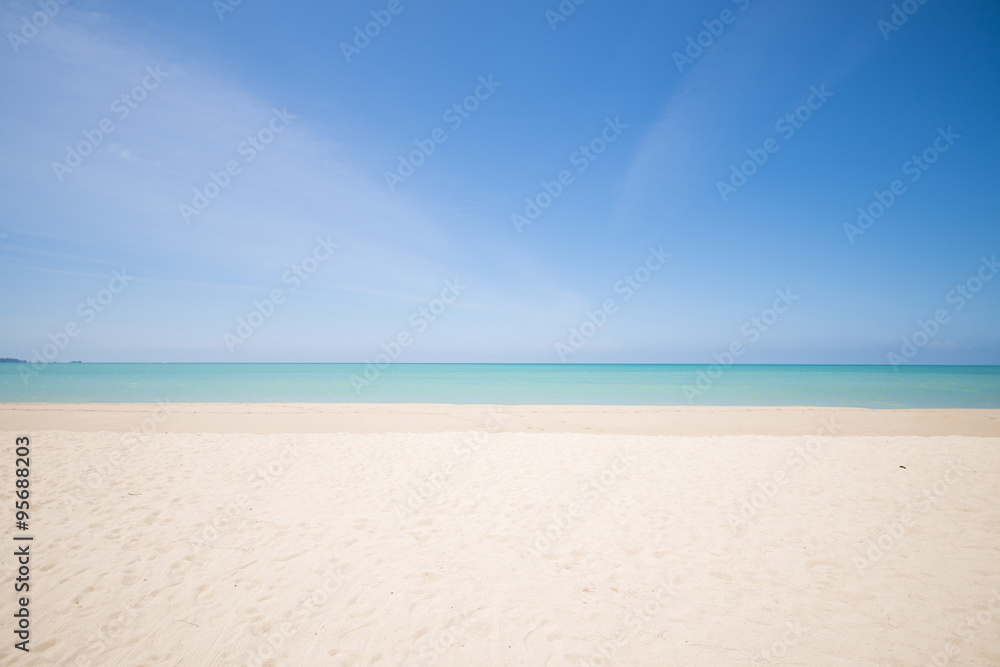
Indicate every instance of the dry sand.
{"type": "Point", "coordinates": [471, 535]}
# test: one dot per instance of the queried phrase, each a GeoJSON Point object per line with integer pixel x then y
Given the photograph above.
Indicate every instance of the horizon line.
{"type": "Point", "coordinates": [12, 361]}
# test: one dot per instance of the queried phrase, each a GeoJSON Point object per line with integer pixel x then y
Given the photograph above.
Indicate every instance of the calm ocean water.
{"type": "Point", "coordinates": [612, 384]}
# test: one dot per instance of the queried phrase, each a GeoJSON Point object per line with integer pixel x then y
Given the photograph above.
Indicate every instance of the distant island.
{"type": "Point", "coordinates": [10, 360]}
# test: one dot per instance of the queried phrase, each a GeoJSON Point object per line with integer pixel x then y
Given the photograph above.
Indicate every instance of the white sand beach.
{"type": "Point", "coordinates": [530, 535]}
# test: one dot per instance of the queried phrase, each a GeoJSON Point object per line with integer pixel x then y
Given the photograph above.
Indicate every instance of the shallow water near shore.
{"type": "Point", "coordinates": [508, 384]}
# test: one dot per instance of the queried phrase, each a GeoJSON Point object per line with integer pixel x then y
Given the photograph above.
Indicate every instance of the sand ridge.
{"type": "Point", "coordinates": [431, 418]}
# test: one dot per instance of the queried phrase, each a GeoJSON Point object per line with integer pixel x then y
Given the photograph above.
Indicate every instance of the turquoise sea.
{"type": "Point", "coordinates": [510, 384]}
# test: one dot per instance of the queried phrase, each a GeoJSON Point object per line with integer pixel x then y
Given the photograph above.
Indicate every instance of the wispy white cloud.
{"type": "Point", "coordinates": [121, 205]}
{"type": "Point", "coordinates": [729, 98]}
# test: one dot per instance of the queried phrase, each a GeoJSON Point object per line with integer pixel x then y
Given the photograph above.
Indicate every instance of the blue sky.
{"type": "Point", "coordinates": [345, 122]}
